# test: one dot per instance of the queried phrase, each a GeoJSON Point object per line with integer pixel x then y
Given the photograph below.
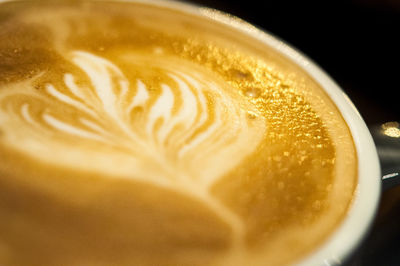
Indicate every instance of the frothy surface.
{"type": "Point", "coordinates": [140, 135]}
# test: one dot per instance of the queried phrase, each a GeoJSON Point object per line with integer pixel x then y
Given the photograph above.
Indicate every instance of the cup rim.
{"type": "Point", "coordinates": [347, 236]}
{"type": "Point", "coordinates": [355, 226]}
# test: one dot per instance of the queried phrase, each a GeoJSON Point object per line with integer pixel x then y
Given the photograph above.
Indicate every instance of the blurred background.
{"type": "Point", "coordinates": [357, 43]}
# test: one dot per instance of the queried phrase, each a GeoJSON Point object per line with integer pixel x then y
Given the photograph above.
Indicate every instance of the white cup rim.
{"type": "Point", "coordinates": [347, 236]}
{"type": "Point", "coordinates": [355, 226]}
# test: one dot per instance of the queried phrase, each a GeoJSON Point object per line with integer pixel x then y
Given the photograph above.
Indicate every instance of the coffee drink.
{"type": "Point", "coordinates": [136, 133]}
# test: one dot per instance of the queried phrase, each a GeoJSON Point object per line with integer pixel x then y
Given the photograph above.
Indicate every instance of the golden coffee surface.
{"type": "Point", "coordinates": [137, 134]}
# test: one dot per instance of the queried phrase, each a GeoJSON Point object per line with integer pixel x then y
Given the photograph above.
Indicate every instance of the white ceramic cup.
{"type": "Point", "coordinates": [349, 234]}
{"type": "Point", "coordinates": [352, 230]}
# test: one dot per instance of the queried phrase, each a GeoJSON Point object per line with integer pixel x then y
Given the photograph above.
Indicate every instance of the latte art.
{"type": "Point", "coordinates": [186, 120]}
{"type": "Point", "coordinates": [173, 126]}
{"type": "Point", "coordinates": [135, 134]}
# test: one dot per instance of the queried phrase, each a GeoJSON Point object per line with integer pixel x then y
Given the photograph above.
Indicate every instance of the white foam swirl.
{"type": "Point", "coordinates": [185, 132]}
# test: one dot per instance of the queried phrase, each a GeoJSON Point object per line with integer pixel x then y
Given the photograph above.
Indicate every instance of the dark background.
{"type": "Point", "coordinates": [357, 43]}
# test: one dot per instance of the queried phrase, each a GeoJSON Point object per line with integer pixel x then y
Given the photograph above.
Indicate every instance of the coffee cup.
{"type": "Point", "coordinates": [91, 150]}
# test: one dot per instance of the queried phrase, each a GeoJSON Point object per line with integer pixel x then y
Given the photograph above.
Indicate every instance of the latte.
{"type": "Point", "coordinates": [142, 134]}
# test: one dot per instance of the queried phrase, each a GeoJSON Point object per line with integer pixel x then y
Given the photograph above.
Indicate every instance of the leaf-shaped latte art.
{"type": "Point", "coordinates": [184, 131]}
